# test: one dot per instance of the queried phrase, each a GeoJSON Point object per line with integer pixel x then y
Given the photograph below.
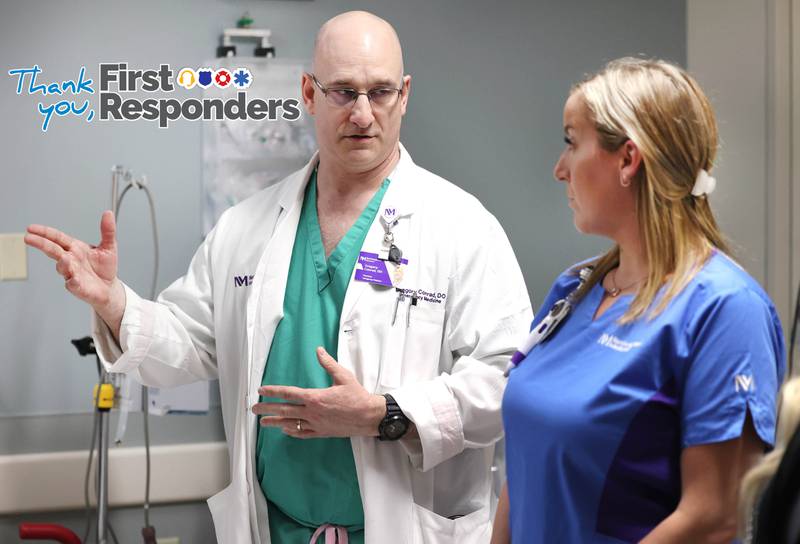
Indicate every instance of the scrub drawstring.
{"type": "Point", "coordinates": [333, 534]}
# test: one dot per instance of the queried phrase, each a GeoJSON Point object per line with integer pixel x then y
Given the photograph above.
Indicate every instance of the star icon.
{"type": "Point", "coordinates": [242, 78]}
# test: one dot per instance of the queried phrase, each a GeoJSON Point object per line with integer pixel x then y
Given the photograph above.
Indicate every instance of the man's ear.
{"type": "Point", "coordinates": [406, 93]}
{"type": "Point", "coordinates": [308, 89]}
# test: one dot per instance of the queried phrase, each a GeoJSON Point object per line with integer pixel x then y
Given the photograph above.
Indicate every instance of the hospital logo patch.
{"type": "Point", "coordinates": [744, 382]}
{"type": "Point", "coordinates": [611, 341]}
{"type": "Point", "coordinates": [243, 281]}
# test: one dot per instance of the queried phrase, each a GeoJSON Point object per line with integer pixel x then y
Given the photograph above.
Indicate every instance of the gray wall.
{"type": "Point", "coordinates": [485, 112]}
{"type": "Point", "coordinates": [719, 30]}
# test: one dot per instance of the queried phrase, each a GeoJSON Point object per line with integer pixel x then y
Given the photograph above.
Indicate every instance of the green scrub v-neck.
{"type": "Point", "coordinates": [311, 482]}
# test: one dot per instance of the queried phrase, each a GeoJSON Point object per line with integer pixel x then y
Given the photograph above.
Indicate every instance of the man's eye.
{"type": "Point", "coordinates": [343, 93]}
{"type": "Point", "coordinates": [381, 93]}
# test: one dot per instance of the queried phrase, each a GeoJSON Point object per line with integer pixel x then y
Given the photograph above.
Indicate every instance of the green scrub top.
{"type": "Point", "coordinates": [311, 482]}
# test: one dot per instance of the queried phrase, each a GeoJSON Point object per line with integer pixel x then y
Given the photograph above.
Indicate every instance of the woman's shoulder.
{"type": "Point", "coordinates": [723, 293]}
{"type": "Point", "coordinates": [723, 279]}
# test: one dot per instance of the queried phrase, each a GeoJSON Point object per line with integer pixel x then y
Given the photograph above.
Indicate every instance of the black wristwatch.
{"type": "Point", "coordinates": [394, 424]}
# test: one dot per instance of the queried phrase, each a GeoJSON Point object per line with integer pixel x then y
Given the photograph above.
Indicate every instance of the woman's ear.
{"type": "Point", "coordinates": [630, 160]}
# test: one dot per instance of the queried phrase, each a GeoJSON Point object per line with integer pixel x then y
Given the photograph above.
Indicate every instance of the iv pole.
{"type": "Point", "coordinates": [102, 457]}
{"type": "Point", "coordinates": [106, 393]}
{"type": "Point", "coordinates": [103, 400]}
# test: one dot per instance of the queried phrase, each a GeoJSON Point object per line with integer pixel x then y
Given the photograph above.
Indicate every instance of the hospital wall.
{"type": "Point", "coordinates": [746, 57]}
{"type": "Point", "coordinates": [485, 112]}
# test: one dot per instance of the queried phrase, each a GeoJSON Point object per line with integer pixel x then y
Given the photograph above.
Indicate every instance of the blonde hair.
{"type": "Point", "coordinates": [663, 111]}
{"type": "Point", "coordinates": [757, 478]}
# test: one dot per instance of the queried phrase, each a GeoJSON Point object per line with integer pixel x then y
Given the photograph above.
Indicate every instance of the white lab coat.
{"type": "Point", "coordinates": [444, 368]}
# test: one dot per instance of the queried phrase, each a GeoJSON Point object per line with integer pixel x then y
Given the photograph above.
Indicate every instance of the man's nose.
{"type": "Point", "coordinates": [361, 114]}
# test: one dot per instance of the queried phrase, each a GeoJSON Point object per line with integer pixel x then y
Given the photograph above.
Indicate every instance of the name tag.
{"type": "Point", "coordinates": [371, 269]}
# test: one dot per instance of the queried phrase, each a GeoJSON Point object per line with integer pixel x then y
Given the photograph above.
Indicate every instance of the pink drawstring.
{"type": "Point", "coordinates": [333, 534]}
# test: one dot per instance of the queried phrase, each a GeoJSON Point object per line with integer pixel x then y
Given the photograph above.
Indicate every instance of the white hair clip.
{"type": "Point", "coordinates": [703, 184]}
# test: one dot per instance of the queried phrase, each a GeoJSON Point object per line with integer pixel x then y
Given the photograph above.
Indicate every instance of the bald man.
{"type": "Point", "coordinates": [361, 370]}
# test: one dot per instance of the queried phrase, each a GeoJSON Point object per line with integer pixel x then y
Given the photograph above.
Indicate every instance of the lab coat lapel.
{"type": "Point", "coordinates": [265, 310]}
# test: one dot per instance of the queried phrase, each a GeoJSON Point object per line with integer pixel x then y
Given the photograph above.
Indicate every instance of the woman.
{"type": "Point", "coordinates": [636, 418]}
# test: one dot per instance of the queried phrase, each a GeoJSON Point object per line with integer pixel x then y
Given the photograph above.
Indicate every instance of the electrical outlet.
{"type": "Point", "coordinates": [168, 540]}
{"type": "Point", "coordinates": [13, 258]}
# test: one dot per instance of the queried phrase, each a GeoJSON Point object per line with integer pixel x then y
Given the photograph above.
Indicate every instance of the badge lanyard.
{"type": "Point", "coordinates": [386, 266]}
{"type": "Point", "coordinates": [549, 324]}
{"type": "Point", "coordinates": [389, 219]}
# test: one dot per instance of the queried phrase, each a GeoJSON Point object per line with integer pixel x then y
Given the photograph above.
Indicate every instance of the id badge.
{"type": "Point", "coordinates": [371, 269]}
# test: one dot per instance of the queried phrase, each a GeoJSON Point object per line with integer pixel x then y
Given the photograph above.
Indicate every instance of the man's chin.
{"type": "Point", "coordinates": [361, 155]}
{"type": "Point", "coordinates": [361, 158]}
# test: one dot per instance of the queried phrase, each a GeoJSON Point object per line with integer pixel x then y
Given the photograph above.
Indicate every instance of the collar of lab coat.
{"type": "Point", "coordinates": [400, 193]}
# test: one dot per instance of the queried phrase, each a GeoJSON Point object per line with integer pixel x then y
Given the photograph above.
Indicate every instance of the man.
{"type": "Point", "coordinates": [363, 258]}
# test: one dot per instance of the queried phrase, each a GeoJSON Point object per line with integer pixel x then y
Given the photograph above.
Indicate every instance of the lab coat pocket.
{"type": "Point", "coordinates": [431, 528]}
{"type": "Point", "coordinates": [413, 346]}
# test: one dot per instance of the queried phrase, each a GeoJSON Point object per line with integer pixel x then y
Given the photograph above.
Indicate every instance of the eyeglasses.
{"type": "Point", "coordinates": [340, 97]}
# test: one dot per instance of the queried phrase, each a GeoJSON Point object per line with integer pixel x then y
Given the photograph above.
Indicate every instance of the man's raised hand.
{"type": "Point", "coordinates": [89, 272]}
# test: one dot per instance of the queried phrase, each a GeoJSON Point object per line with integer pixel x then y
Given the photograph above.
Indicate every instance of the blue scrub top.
{"type": "Point", "coordinates": [596, 416]}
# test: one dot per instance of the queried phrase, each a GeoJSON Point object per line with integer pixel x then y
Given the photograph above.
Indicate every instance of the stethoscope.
{"type": "Point", "coordinates": [547, 326]}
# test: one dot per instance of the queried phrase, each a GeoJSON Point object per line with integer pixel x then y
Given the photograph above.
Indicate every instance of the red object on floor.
{"type": "Point", "coordinates": [47, 531]}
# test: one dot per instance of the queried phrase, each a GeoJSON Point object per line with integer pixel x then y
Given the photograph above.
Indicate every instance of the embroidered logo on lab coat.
{"type": "Point", "coordinates": [243, 281]}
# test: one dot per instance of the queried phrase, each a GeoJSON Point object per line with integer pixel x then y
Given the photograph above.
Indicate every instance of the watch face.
{"type": "Point", "coordinates": [395, 427]}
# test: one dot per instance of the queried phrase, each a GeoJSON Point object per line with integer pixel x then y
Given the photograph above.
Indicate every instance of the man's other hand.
{"type": "Point", "coordinates": [342, 410]}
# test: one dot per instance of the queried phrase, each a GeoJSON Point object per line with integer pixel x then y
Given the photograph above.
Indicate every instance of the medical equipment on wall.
{"type": "Point", "coordinates": [241, 157]}
{"type": "Point", "coordinates": [244, 30]}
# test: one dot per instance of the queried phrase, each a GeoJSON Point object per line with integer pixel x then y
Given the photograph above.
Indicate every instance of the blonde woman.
{"type": "Point", "coordinates": [634, 417]}
{"type": "Point", "coordinates": [757, 479]}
